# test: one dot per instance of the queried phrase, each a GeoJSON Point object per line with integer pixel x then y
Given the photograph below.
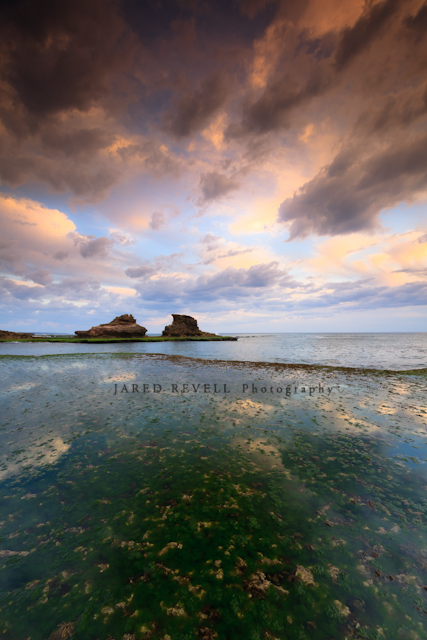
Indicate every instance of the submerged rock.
{"type": "Point", "coordinates": [183, 326]}
{"type": "Point", "coordinates": [121, 327]}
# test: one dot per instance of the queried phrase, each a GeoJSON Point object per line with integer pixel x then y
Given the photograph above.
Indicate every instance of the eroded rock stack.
{"type": "Point", "coordinates": [121, 327]}
{"type": "Point", "coordinates": [13, 335]}
{"type": "Point", "coordinates": [183, 327]}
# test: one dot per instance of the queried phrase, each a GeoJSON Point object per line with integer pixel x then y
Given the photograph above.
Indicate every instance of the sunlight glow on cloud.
{"type": "Point", "coordinates": [250, 163]}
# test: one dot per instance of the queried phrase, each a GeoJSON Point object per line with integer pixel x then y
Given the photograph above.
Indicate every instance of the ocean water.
{"type": "Point", "coordinates": [394, 351]}
{"type": "Point", "coordinates": [215, 490]}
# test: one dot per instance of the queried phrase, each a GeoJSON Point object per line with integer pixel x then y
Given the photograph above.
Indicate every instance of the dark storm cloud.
{"type": "Point", "coordinates": [58, 56]}
{"type": "Point", "coordinates": [272, 110]}
{"type": "Point", "coordinates": [357, 38]}
{"type": "Point", "coordinates": [418, 22]}
{"type": "Point", "coordinates": [348, 195]}
{"type": "Point", "coordinates": [408, 160]}
{"type": "Point", "coordinates": [214, 185]}
{"type": "Point", "coordinates": [83, 175]}
{"type": "Point", "coordinates": [330, 57]}
{"type": "Point", "coordinates": [251, 8]}
{"type": "Point", "coordinates": [397, 111]}
{"type": "Point", "coordinates": [79, 141]}
{"type": "Point", "coordinates": [195, 109]}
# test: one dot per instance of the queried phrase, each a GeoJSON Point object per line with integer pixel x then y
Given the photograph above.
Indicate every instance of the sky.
{"type": "Point", "coordinates": [260, 165]}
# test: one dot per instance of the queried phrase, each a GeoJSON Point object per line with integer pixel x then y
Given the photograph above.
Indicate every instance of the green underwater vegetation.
{"type": "Point", "coordinates": [200, 515]}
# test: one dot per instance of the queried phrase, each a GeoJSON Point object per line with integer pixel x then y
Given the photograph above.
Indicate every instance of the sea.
{"type": "Point", "coordinates": [394, 351]}
{"type": "Point", "coordinates": [269, 488]}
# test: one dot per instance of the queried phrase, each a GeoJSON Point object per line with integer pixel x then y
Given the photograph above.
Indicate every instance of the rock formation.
{"type": "Point", "coordinates": [182, 327]}
{"type": "Point", "coordinates": [121, 327]}
{"type": "Point", "coordinates": [12, 335]}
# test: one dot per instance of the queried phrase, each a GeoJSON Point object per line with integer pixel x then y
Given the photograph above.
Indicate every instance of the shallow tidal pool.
{"type": "Point", "coordinates": [221, 509]}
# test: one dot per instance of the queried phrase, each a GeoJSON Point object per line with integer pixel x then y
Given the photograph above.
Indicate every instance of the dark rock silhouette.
{"type": "Point", "coordinates": [121, 327]}
{"type": "Point", "coordinates": [183, 326]}
{"type": "Point", "coordinates": [12, 335]}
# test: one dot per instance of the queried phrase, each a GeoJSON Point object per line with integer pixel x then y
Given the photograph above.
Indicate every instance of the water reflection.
{"type": "Point", "coordinates": [209, 515]}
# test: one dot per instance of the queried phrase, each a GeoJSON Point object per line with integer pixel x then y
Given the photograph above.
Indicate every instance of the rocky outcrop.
{"type": "Point", "coordinates": [183, 327]}
{"type": "Point", "coordinates": [12, 335]}
{"type": "Point", "coordinates": [121, 327]}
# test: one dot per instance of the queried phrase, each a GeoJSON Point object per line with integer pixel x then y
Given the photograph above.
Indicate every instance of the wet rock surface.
{"type": "Point", "coordinates": [124, 326]}
{"type": "Point", "coordinates": [183, 326]}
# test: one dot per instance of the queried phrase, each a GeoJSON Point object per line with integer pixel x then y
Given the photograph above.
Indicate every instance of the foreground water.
{"type": "Point", "coordinates": [373, 350]}
{"type": "Point", "coordinates": [290, 503]}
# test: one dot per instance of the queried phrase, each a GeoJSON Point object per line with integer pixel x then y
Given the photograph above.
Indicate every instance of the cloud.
{"type": "Point", "coordinates": [60, 255]}
{"type": "Point", "coordinates": [395, 112]}
{"type": "Point", "coordinates": [366, 296]}
{"type": "Point", "coordinates": [195, 109]}
{"type": "Point", "coordinates": [212, 242]}
{"type": "Point", "coordinates": [307, 68]}
{"type": "Point", "coordinates": [210, 239]}
{"type": "Point", "coordinates": [214, 185]}
{"type": "Point", "coordinates": [159, 264]}
{"type": "Point", "coordinates": [348, 195]}
{"type": "Point", "coordinates": [77, 141]}
{"type": "Point", "coordinates": [251, 8]}
{"type": "Point", "coordinates": [42, 276]}
{"type": "Point", "coordinates": [60, 67]}
{"type": "Point", "coordinates": [237, 282]}
{"type": "Point", "coordinates": [150, 155]}
{"type": "Point", "coordinates": [158, 220]}
{"type": "Point", "coordinates": [31, 231]}
{"type": "Point", "coordinates": [235, 252]}
{"type": "Point", "coordinates": [121, 238]}
{"type": "Point", "coordinates": [360, 36]}
{"type": "Point", "coordinates": [90, 246]}
{"type": "Point", "coordinates": [281, 96]}
{"type": "Point", "coordinates": [58, 57]}
{"type": "Point", "coordinates": [418, 22]}
{"type": "Point", "coordinates": [141, 271]}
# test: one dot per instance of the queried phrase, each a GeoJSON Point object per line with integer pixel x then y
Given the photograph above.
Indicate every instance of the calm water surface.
{"type": "Point", "coordinates": [396, 351]}
{"type": "Point", "coordinates": [289, 504]}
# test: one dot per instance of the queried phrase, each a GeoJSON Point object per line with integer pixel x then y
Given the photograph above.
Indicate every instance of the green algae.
{"type": "Point", "coordinates": [198, 515]}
